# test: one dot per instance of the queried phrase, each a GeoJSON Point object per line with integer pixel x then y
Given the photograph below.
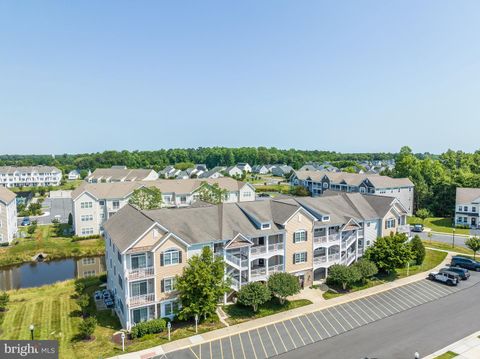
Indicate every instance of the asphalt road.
{"type": "Point", "coordinates": [424, 329]}
{"type": "Point", "coordinates": [446, 238]}
{"type": "Point", "coordinates": [391, 324]}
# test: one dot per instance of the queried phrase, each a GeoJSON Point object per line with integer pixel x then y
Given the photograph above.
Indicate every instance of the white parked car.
{"type": "Point", "coordinates": [447, 277]}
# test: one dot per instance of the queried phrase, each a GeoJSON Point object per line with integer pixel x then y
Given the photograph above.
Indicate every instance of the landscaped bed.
{"type": "Point", "coordinates": [432, 259]}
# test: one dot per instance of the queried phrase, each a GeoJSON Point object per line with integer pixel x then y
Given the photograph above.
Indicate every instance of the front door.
{"type": "Point", "coordinates": [474, 222]}
{"type": "Point", "coordinates": [301, 280]}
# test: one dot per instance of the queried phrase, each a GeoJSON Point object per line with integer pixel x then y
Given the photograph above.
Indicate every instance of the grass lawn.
{"type": "Point", "coordinates": [53, 311]}
{"type": "Point", "coordinates": [447, 355]}
{"type": "Point", "coordinates": [432, 259]}
{"type": "Point", "coordinates": [438, 224]}
{"type": "Point", "coordinates": [238, 313]}
{"type": "Point", "coordinates": [448, 247]}
{"type": "Point", "coordinates": [43, 241]}
{"type": "Point", "coordinates": [281, 188]}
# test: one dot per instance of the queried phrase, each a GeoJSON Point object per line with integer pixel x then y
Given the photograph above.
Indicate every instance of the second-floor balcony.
{"type": "Point", "coordinates": [275, 247]}
{"type": "Point", "coordinates": [326, 259]}
{"type": "Point", "coordinates": [258, 272]}
{"type": "Point", "coordinates": [275, 268]}
{"type": "Point", "coordinates": [258, 250]}
{"type": "Point", "coordinates": [237, 261]}
{"type": "Point", "coordinates": [320, 239]}
{"type": "Point", "coordinates": [334, 237]}
{"type": "Point", "coordinates": [140, 273]}
{"type": "Point", "coordinates": [347, 242]}
{"type": "Point", "coordinates": [141, 299]}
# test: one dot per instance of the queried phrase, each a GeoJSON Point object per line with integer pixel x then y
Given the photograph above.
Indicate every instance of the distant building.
{"type": "Point", "coordinates": [281, 170]}
{"type": "Point", "coordinates": [260, 169]}
{"type": "Point", "coordinates": [8, 215]}
{"type": "Point", "coordinates": [244, 167]}
{"type": "Point", "coordinates": [121, 174]}
{"type": "Point", "coordinates": [319, 181]}
{"type": "Point", "coordinates": [34, 176]}
{"type": "Point", "coordinates": [234, 171]}
{"type": "Point", "coordinates": [215, 172]}
{"type": "Point", "coordinates": [73, 175]}
{"type": "Point", "coordinates": [467, 207]}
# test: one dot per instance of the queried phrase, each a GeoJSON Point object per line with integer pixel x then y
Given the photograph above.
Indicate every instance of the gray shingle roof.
{"type": "Point", "coordinates": [467, 195]}
{"type": "Point", "coordinates": [118, 174]}
{"type": "Point", "coordinates": [6, 196]}
{"type": "Point", "coordinates": [29, 169]}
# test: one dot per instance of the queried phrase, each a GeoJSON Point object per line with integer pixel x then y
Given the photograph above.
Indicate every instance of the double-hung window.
{"type": "Point", "coordinates": [300, 236]}
{"type": "Point", "coordinates": [169, 285]}
{"type": "Point", "coordinates": [300, 257]}
{"type": "Point", "coordinates": [390, 223]}
{"type": "Point", "coordinates": [138, 261]}
{"type": "Point", "coordinates": [171, 257]}
{"type": "Point", "coordinates": [139, 288]}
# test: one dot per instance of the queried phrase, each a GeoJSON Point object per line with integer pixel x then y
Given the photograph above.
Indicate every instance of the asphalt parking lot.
{"type": "Point", "coordinates": [282, 337]}
{"type": "Point", "coordinates": [54, 207]}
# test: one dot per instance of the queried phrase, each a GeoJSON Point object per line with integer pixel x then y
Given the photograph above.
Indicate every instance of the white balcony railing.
{"type": "Point", "coordinates": [142, 299]}
{"type": "Point", "coordinates": [140, 273]}
{"type": "Point", "coordinates": [235, 284]}
{"type": "Point", "coordinates": [274, 247]}
{"type": "Point", "coordinates": [326, 259]}
{"type": "Point", "coordinates": [349, 240]}
{"type": "Point", "coordinates": [334, 237]}
{"type": "Point", "coordinates": [258, 272]}
{"type": "Point", "coordinates": [320, 239]}
{"type": "Point", "coordinates": [257, 250]}
{"type": "Point", "coordinates": [275, 268]}
{"type": "Point", "coordinates": [333, 257]}
{"type": "Point", "coordinates": [243, 263]}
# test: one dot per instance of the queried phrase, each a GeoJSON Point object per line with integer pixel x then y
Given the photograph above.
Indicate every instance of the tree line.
{"type": "Point", "coordinates": [211, 156]}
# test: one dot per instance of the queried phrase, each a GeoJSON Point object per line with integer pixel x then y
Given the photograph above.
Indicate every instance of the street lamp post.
{"type": "Point", "coordinates": [123, 341]}
{"type": "Point", "coordinates": [453, 238]}
{"type": "Point", "coordinates": [31, 330]}
{"type": "Point", "coordinates": [169, 326]}
{"type": "Point", "coordinates": [196, 323]}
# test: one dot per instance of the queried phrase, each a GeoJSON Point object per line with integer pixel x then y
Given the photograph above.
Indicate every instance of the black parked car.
{"type": "Point", "coordinates": [463, 273]}
{"type": "Point", "coordinates": [464, 262]}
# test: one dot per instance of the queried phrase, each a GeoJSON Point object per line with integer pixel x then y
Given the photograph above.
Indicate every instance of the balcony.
{"type": "Point", "coordinates": [258, 272]}
{"type": "Point", "coordinates": [142, 299]}
{"type": "Point", "coordinates": [140, 273]}
{"type": "Point", "coordinates": [320, 239]}
{"type": "Point", "coordinates": [275, 247]}
{"type": "Point", "coordinates": [326, 259]}
{"type": "Point", "coordinates": [349, 240]}
{"type": "Point", "coordinates": [240, 262]}
{"type": "Point", "coordinates": [234, 284]}
{"type": "Point", "coordinates": [334, 237]}
{"type": "Point", "coordinates": [258, 250]}
{"type": "Point", "coordinates": [361, 232]}
{"type": "Point", "coordinates": [275, 268]}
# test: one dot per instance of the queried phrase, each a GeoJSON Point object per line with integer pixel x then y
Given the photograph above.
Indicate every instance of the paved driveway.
{"type": "Point", "coordinates": [285, 336]}
{"type": "Point", "coordinates": [53, 207]}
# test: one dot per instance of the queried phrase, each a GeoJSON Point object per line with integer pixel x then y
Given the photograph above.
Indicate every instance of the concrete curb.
{"type": "Point", "coordinates": [460, 347]}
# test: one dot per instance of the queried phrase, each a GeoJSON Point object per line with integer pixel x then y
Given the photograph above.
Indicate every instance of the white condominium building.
{"type": "Point", "coordinates": [95, 203]}
{"type": "Point", "coordinates": [146, 250]}
{"type": "Point", "coordinates": [30, 176]}
{"type": "Point", "coordinates": [8, 215]}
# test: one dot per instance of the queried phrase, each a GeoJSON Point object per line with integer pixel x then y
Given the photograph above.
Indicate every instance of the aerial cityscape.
{"type": "Point", "coordinates": [250, 180]}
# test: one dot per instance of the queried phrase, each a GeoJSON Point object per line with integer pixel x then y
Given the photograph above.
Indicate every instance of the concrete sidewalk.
{"type": "Point", "coordinates": [261, 322]}
{"type": "Point", "coordinates": [466, 348]}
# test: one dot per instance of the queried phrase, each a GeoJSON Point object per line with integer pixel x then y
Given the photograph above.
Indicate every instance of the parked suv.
{"type": "Point", "coordinates": [417, 228]}
{"type": "Point", "coordinates": [467, 263]}
{"type": "Point", "coordinates": [463, 273]}
{"type": "Point", "coordinates": [446, 277]}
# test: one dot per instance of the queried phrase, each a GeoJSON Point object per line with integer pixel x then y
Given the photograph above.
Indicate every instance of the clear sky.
{"type": "Point", "coordinates": [348, 76]}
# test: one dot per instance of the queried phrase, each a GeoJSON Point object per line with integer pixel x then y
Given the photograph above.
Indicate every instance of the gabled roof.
{"type": "Point", "coordinates": [28, 169]}
{"type": "Point", "coordinates": [120, 174]}
{"type": "Point", "coordinates": [467, 195]}
{"type": "Point", "coordinates": [6, 196]}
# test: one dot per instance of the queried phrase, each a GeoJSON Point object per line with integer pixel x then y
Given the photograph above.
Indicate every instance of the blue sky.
{"type": "Point", "coordinates": [348, 76]}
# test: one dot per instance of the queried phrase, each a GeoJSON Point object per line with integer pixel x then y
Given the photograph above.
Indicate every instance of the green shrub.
{"type": "Point", "coordinates": [4, 299]}
{"type": "Point", "coordinates": [87, 327]}
{"type": "Point", "coordinates": [77, 238]}
{"type": "Point", "coordinates": [153, 326]}
{"type": "Point", "coordinates": [418, 250]}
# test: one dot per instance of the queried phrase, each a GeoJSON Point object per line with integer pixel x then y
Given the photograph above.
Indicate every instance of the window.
{"type": "Point", "coordinates": [265, 225]}
{"type": "Point", "coordinates": [247, 194]}
{"type": "Point", "coordinates": [138, 261]}
{"type": "Point", "coordinates": [170, 308]}
{"type": "Point", "coordinates": [86, 218]}
{"type": "Point", "coordinates": [119, 256]}
{"type": "Point", "coordinates": [86, 231]}
{"type": "Point", "coordinates": [116, 204]}
{"type": "Point", "coordinates": [102, 215]}
{"type": "Point", "coordinates": [139, 288]}
{"type": "Point", "coordinates": [102, 203]}
{"type": "Point", "coordinates": [300, 236]}
{"type": "Point", "coordinates": [300, 257]}
{"type": "Point", "coordinates": [325, 184]}
{"type": "Point", "coordinates": [168, 285]}
{"type": "Point", "coordinates": [170, 257]}
{"type": "Point", "coordinates": [183, 199]}
{"type": "Point", "coordinates": [120, 305]}
{"type": "Point", "coordinates": [465, 208]}
{"type": "Point", "coordinates": [459, 208]}
{"type": "Point", "coordinates": [390, 223]}
{"type": "Point", "coordinates": [140, 315]}
{"type": "Point", "coordinates": [120, 281]}
{"type": "Point", "coordinates": [88, 260]}
{"type": "Point", "coordinates": [86, 204]}
{"type": "Point", "coordinates": [167, 199]}
{"type": "Point", "coordinates": [474, 209]}
{"type": "Point", "coordinates": [89, 273]}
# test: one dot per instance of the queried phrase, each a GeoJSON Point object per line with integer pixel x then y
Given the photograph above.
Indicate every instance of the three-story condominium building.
{"type": "Point", "coordinates": [146, 250]}
{"type": "Point", "coordinates": [33, 176]}
{"type": "Point", "coordinates": [95, 203]}
{"type": "Point", "coordinates": [467, 207]}
{"type": "Point", "coordinates": [317, 182]}
{"type": "Point", "coordinates": [8, 215]}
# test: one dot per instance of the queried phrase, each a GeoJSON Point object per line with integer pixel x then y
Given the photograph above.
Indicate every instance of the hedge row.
{"type": "Point", "coordinates": [150, 327]}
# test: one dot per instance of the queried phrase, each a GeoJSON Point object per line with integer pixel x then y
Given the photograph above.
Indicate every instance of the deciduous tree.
{"type": "Point", "coordinates": [474, 244]}
{"type": "Point", "coordinates": [146, 198]}
{"type": "Point", "coordinates": [254, 294]}
{"type": "Point", "coordinates": [283, 285]}
{"type": "Point", "coordinates": [390, 252]}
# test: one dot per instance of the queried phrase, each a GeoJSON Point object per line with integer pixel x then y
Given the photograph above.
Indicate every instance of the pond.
{"type": "Point", "coordinates": [36, 274]}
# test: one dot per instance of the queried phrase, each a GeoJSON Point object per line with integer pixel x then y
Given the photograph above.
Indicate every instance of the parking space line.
{"type": "Point", "coordinates": [281, 339]}
{"type": "Point", "coordinates": [436, 288]}
{"type": "Point", "coordinates": [290, 336]}
{"type": "Point", "coordinates": [241, 345]}
{"type": "Point", "coordinates": [345, 319]}
{"type": "Point", "coordinates": [261, 342]}
{"type": "Point", "coordinates": [231, 347]}
{"type": "Point", "coordinates": [314, 328]}
{"type": "Point", "coordinates": [328, 312]}
{"type": "Point", "coordinates": [210, 346]}
{"type": "Point", "coordinates": [321, 324]}
{"type": "Point", "coordinates": [273, 343]}
{"type": "Point", "coordinates": [355, 304]}
{"type": "Point", "coordinates": [323, 315]}
{"type": "Point", "coordinates": [251, 343]}
{"type": "Point", "coordinates": [257, 343]}
{"type": "Point", "coordinates": [245, 343]}
{"type": "Point", "coordinates": [193, 352]}
{"type": "Point", "coordinates": [395, 302]}
{"type": "Point", "coordinates": [367, 309]}
{"type": "Point", "coordinates": [296, 330]}
{"type": "Point", "coordinates": [426, 291]}
{"type": "Point", "coordinates": [303, 326]}
{"type": "Point", "coordinates": [374, 298]}
{"type": "Point", "coordinates": [226, 348]}
{"type": "Point", "coordinates": [352, 309]}
{"type": "Point", "coordinates": [414, 297]}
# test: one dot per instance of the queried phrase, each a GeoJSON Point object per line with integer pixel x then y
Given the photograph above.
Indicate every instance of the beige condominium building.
{"type": "Point", "coordinates": [95, 203]}
{"type": "Point", "coordinates": [121, 174]}
{"type": "Point", "coordinates": [317, 182]}
{"type": "Point", "coordinates": [8, 215]}
{"type": "Point", "coordinates": [146, 250]}
{"type": "Point", "coordinates": [30, 176]}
